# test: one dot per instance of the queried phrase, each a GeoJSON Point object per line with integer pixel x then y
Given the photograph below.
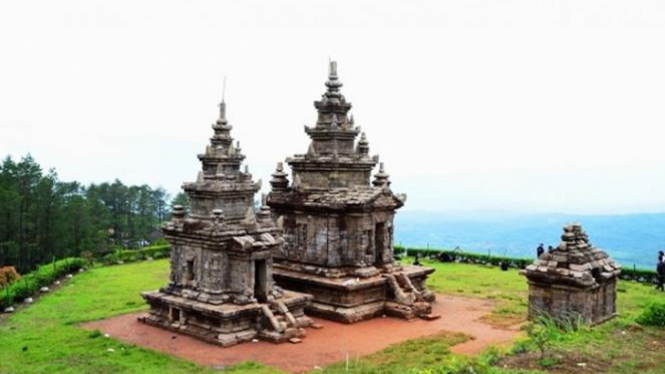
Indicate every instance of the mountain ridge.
{"type": "Point", "coordinates": [632, 239]}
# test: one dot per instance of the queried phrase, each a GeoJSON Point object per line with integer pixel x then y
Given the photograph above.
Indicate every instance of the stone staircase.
{"type": "Point", "coordinates": [280, 325]}
{"type": "Point", "coordinates": [408, 301]}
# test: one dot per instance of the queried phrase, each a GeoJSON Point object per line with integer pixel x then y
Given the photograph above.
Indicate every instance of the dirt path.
{"type": "Point", "coordinates": [321, 347]}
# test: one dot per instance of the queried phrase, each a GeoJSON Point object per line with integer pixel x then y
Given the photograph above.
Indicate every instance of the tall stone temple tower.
{"type": "Point", "coordinates": [575, 280]}
{"type": "Point", "coordinates": [221, 287]}
{"type": "Point", "coordinates": [338, 227]}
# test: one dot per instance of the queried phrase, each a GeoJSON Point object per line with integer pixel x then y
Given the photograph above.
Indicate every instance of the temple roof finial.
{"type": "Point", "coordinates": [222, 105]}
{"type": "Point", "coordinates": [381, 178]}
{"type": "Point", "coordinates": [279, 181]}
{"type": "Point", "coordinates": [333, 82]}
{"type": "Point", "coordinates": [332, 70]}
{"type": "Point", "coordinates": [363, 144]}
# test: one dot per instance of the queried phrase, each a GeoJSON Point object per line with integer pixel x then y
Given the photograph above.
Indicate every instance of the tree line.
{"type": "Point", "coordinates": [43, 218]}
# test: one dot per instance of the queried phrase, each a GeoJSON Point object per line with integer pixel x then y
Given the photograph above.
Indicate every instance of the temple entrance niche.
{"type": "Point", "coordinates": [260, 280]}
{"type": "Point", "coordinates": [379, 241]}
{"type": "Point", "coordinates": [175, 314]}
{"type": "Point", "coordinates": [189, 274]}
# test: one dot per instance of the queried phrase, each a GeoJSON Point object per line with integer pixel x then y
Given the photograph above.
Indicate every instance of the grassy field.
{"type": "Point", "coordinates": [507, 288]}
{"type": "Point", "coordinates": [44, 338]}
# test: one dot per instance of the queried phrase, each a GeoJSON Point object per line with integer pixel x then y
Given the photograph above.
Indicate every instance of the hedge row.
{"type": "Point", "coordinates": [133, 255]}
{"type": "Point", "coordinates": [45, 275]}
{"type": "Point", "coordinates": [639, 275]}
{"type": "Point", "coordinates": [444, 255]}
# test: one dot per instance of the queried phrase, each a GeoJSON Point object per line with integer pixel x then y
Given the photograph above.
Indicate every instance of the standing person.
{"type": "Point", "coordinates": [660, 269]}
{"type": "Point", "coordinates": [540, 250]}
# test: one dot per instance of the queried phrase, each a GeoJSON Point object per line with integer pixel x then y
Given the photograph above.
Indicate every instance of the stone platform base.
{"type": "Point", "coordinates": [230, 324]}
{"type": "Point", "coordinates": [350, 300]}
{"type": "Point", "coordinates": [593, 305]}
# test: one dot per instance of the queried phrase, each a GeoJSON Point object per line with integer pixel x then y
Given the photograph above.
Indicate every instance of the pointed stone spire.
{"type": "Point", "coordinates": [222, 106]}
{"type": "Point", "coordinates": [279, 181]}
{"type": "Point", "coordinates": [222, 114]}
{"type": "Point", "coordinates": [381, 178]}
{"type": "Point", "coordinates": [280, 222]}
{"type": "Point", "coordinates": [250, 217]}
{"type": "Point", "coordinates": [333, 82]}
{"type": "Point", "coordinates": [311, 151]}
{"type": "Point", "coordinates": [363, 145]}
{"type": "Point", "coordinates": [264, 216]}
{"type": "Point", "coordinates": [222, 111]}
{"type": "Point", "coordinates": [296, 182]}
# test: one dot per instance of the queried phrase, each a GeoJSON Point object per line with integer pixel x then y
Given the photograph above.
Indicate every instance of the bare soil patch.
{"type": "Point", "coordinates": [322, 347]}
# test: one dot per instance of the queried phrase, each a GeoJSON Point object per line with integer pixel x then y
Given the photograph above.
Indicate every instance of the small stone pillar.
{"type": "Point", "coordinates": [575, 280]}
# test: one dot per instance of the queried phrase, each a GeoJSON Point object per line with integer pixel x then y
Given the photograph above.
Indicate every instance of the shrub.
{"type": "Point", "coordinates": [132, 255]}
{"type": "Point", "coordinates": [31, 282]}
{"type": "Point", "coordinates": [652, 315]}
{"type": "Point", "coordinates": [88, 257]}
{"type": "Point", "coordinates": [8, 275]}
{"type": "Point", "coordinates": [540, 336]}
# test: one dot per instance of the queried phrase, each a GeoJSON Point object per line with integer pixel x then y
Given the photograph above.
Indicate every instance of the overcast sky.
{"type": "Point", "coordinates": [532, 106]}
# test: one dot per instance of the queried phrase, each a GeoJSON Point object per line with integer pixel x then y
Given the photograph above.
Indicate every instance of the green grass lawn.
{"type": "Point", "coordinates": [507, 288]}
{"type": "Point", "coordinates": [55, 344]}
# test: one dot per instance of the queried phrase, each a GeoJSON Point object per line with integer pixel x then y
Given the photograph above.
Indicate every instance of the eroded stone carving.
{"type": "Point", "coordinates": [221, 286]}
{"type": "Point", "coordinates": [338, 227]}
{"type": "Point", "coordinates": [575, 280]}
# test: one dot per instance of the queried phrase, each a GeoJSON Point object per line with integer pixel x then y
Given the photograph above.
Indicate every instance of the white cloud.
{"type": "Point", "coordinates": [526, 105]}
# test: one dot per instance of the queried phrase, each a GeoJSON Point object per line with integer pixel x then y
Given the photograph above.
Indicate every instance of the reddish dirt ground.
{"type": "Point", "coordinates": [321, 347]}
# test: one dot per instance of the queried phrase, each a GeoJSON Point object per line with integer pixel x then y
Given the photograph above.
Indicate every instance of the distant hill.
{"type": "Point", "coordinates": [632, 239]}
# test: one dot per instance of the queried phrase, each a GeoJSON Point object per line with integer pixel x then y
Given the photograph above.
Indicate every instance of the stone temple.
{"type": "Point", "coordinates": [338, 227]}
{"type": "Point", "coordinates": [575, 280]}
{"type": "Point", "coordinates": [221, 287]}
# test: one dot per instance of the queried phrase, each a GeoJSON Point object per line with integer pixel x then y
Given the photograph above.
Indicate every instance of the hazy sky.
{"type": "Point", "coordinates": [534, 106]}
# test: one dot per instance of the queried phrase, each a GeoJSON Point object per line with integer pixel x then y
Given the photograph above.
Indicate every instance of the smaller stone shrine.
{"type": "Point", "coordinates": [221, 287]}
{"type": "Point", "coordinates": [574, 280]}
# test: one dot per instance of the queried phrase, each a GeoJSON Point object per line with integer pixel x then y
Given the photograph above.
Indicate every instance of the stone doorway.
{"type": "Point", "coordinates": [175, 314]}
{"type": "Point", "coordinates": [379, 242]}
{"type": "Point", "coordinates": [189, 274]}
{"type": "Point", "coordinates": [260, 280]}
